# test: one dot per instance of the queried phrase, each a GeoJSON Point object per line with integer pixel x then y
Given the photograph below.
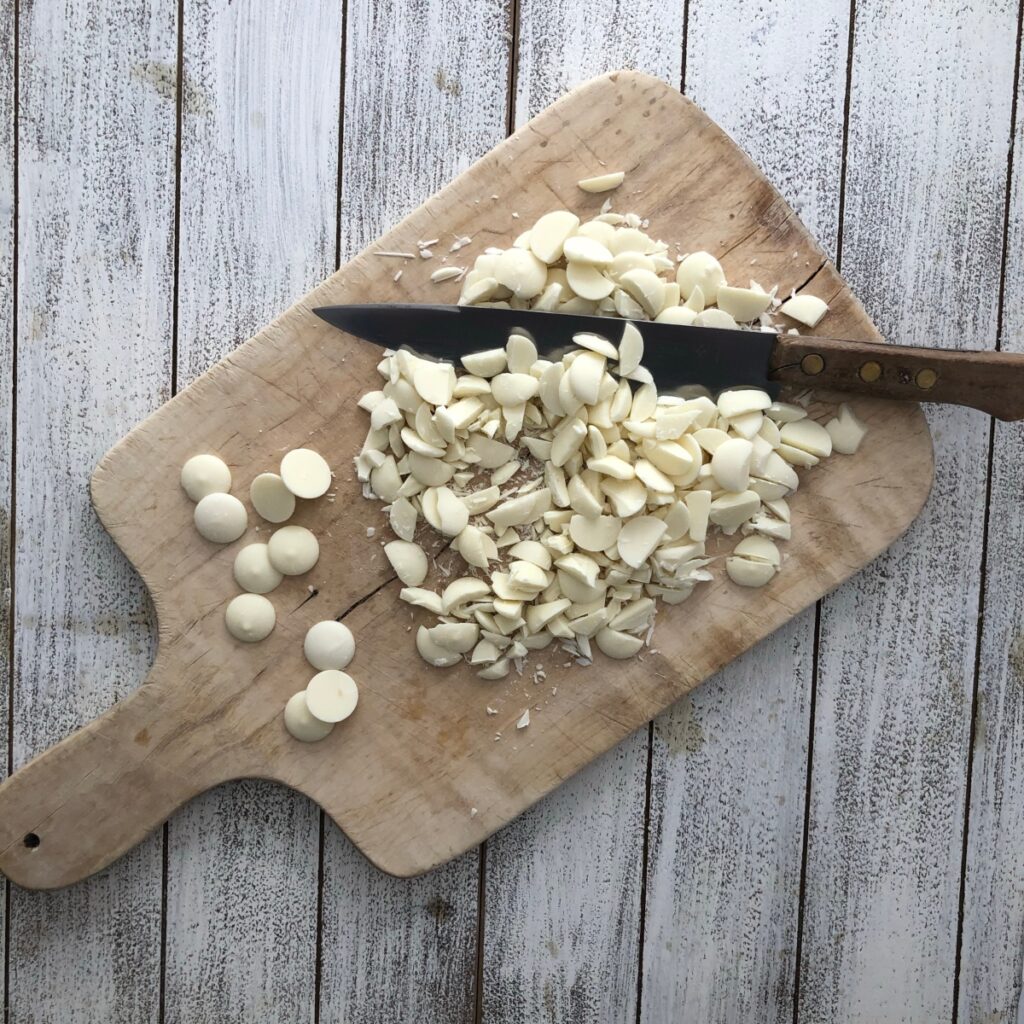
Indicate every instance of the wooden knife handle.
{"type": "Point", "coordinates": [990, 381]}
{"type": "Point", "coordinates": [83, 803]}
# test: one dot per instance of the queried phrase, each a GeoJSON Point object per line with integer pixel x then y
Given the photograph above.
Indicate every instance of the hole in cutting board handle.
{"type": "Point", "coordinates": [32, 840]}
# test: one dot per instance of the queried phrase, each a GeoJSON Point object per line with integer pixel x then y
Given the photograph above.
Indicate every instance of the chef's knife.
{"type": "Point", "coordinates": [682, 358]}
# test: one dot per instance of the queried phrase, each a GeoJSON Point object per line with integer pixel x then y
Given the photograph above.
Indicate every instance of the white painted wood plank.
{"type": "Point", "coordinates": [259, 157]}
{"type": "Point", "coordinates": [397, 949]}
{"type": "Point", "coordinates": [562, 900]}
{"type": "Point", "coordinates": [922, 241]}
{"type": "Point", "coordinates": [96, 218]}
{"type": "Point", "coordinates": [425, 95]}
{"type": "Point", "coordinates": [727, 813]}
{"type": "Point", "coordinates": [6, 393]}
{"type": "Point", "coordinates": [992, 958]}
{"type": "Point", "coordinates": [729, 763]}
{"type": "Point", "coordinates": [562, 884]}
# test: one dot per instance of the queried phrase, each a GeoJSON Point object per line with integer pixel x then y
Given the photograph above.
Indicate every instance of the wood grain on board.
{"type": "Point", "coordinates": [7, 257]}
{"type": "Point", "coordinates": [214, 708]}
{"type": "Point", "coordinates": [394, 948]}
{"type": "Point", "coordinates": [729, 762]}
{"type": "Point", "coordinates": [992, 955]}
{"type": "Point", "coordinates": [259, 165]}
{"type": "Point", "coordinates": [95, 284]}
{"type": "Point", "coordinates": [922, 242]}
{"type": "Point", "coordinates": [556, 943]}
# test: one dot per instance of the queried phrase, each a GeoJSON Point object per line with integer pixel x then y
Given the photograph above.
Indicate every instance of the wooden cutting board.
{"type": "Point", "coordinates": [422, 771]}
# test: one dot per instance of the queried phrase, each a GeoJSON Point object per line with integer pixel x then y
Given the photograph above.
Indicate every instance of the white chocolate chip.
{"type": "Point", "coordinates": [301, 724]}
{"type": "Point", "coordinates": [271, 499]}
{"type": "Point", "coordinates": [305, 473]}
{"type": "Point", "coordinates": [253, 571]}
{"type": "Point", "coordinates": [220, 517]}
{"type": "Point", "coordinates": [329, 644]}
{"type": "Point", "coordinates": [205, 474]}
{"type": "Point", "coordinates": [332, 695]}
{"type": "Point", "coordinates": [250, 618]}
{"type": "Point", "coordinates": [293, 550]}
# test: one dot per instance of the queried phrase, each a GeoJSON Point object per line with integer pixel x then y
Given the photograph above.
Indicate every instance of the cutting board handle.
{"type": "Point", "coordinates": [990, 381]}
{"type": "Point", "coordinates": [83, 803]}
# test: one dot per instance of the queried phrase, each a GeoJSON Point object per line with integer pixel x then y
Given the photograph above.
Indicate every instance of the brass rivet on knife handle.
{"type": "Point", "coordinates": [870, 371]}
{"type": "Point", "coordinates": [812, 364]}
{"type": "Point", "coordinates": [926, 378]}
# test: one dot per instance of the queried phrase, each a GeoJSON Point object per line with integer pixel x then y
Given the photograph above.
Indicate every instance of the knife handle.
{"type": "Point", "coordinates": [990, 381]}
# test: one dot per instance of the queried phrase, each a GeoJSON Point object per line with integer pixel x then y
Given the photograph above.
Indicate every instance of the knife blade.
{"type": "Point", "coordinates": [682, 360]}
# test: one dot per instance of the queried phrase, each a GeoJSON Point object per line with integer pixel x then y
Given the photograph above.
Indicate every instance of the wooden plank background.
{"type": "Point", "coordinates": [832, 829]}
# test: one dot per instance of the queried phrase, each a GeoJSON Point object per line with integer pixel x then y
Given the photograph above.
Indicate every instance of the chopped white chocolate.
{"type": "Point", "coordinates": [580, 503]}
{"type": "Point", "coordinates": [730, 464]}
{"type": "Point", "coordinates": [740, 401]}
{"type": "Point", "coordinates": [616, 644]}
{"type": "Point", "coordinates": [846, 431]}
{"type": "Point", "coordinates": [331, 695]}
{"type": "Point", "coordinates": [329, 644]}
{"type": "Point", "coordinates": [594, 533]}
{"type": "Point", "coordinates": [587, 281]}
{"type": "Point", "coordinates": [293, 550]}
{"type": "Point", "coordinates": [496, 671]}
{"type": "Point", "coordinates": [521, 272]}
{"type": "Point", "coordinates": [408, 560]}
{"type": "Point", "coordinates": [402, 517]}
{"type": "Point", "coordinates": [602, 182]}
{"type": "Point", "coordinates": [220, 517]}
{"type": "Point", "coordinates": [807, 309]}
{"type": "Point", "coordinates": [486, 364]}
{"type": "Point", "coordinates": [300, 722]}
{"type": "Point", "coordinates": [808, 436]}
{"type": "Point", "coordinates": [446, 274]}
{"type": "Point", "coordinates": [205, 474]}
{"type": "Point", "coordinates": [646, 288]}
{"type": "Point", "coordinates": [742, 304]}
{"type": "Point", "coordinates": [271, 499]}
{"type": "Point", "coordinates": [421, 598]}
{"type": "Point", "coordinates": [548, 235]}
{"type": "Point", "coordinates": [305, 473]}
{"type": "Point", "coordinates": [253, 571]}
{"type": "Point", "coordinates": [250, 618]}
{"type": "Point", "coordinates": [638, 538]}
{"type": "Point", "coordinates": [631, 349]}
{"type": "Point", "coordinates": [700, 270]}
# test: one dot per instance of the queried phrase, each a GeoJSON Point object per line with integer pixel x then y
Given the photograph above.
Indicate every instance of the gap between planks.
{"type": "Point", "coordinates": [12, 452]}
{"type": "Point", "coordinates": [481, 899]}
{"type": "Point", "coordinates": [816, 636]}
